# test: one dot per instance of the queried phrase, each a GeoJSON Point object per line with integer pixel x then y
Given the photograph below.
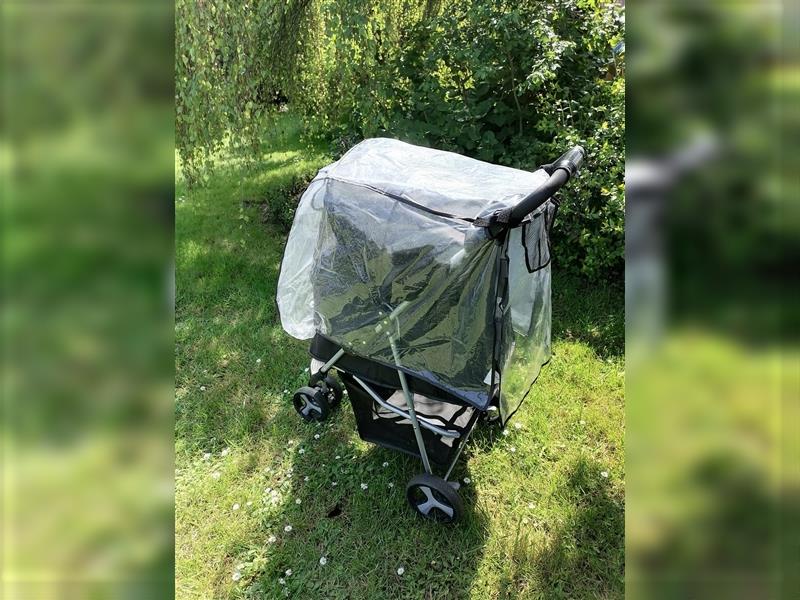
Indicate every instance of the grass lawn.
{"type": "Point", "coordinates": [261, 494]}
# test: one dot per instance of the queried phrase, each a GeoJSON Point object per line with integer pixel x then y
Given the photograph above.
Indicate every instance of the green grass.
{"type": "Point", "coordinates": [541, 522]}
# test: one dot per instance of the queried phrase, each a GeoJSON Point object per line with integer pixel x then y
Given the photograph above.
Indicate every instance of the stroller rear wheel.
{"type": "Point", "coordinates": [433, 498]}
{"type": "Point", "coordinates": [311, 403]}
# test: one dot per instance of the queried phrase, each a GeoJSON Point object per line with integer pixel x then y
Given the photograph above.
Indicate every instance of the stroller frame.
{"type": "Point", "coordinates": [387, 326]}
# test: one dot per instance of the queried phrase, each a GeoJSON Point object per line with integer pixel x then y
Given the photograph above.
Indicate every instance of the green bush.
{"type": "Point", "coordinates": [515, 83]}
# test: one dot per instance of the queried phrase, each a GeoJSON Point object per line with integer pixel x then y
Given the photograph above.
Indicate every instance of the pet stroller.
{"type": "Point", "coordinates": [423, 278]}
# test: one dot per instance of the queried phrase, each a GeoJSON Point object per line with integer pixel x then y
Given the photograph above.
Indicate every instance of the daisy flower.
{"type": "Point", "coordinates": [467, 480]}
{"type": "Point", "coordinates": [401, 570]}
{"type": "Point", "coordinates": [386, 464]}
{"type": "Point", "coordinates": [316, 436]}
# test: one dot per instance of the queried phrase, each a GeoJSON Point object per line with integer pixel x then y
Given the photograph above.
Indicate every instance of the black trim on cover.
{"type": "Point", "coordinates": [375, 372]}
{"type": "Point", "coordinates": [407, 201]}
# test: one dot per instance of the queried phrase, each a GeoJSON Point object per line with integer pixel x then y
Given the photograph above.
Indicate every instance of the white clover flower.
{"type": "Point", "coordinates": [236, 506]}
{"type": "Point", "coordinates": [583, 422]}
{"type": "Point", "coordinates": [517, 425]}
{"type": "Point", "coordinates": [258, 361]}
{"type": "Point", "coordinates": [285, 391]}
{"type": "Point", "coordinates": [305, 478]}
{"type": "Point", "coordinates": [249, 503]}
{"type": "Point", "coordinates": [603, 473]}
{"type": "Point", "coordinates": [364, 486]}
{"type": "Point", "coordinates": [288, 572]}
{"type": "Point", "coordinates": [525, 520]}
{"type": "Point", "coordinates": [401, 570]}
{"type": "Point", "coordinates": [225, 452]}
{"type": "Point", "coordinates": [216, 475]}
{"type": "Point", "coordinates": [282, 581]}
{"type": "Point", "coordinates": [288, 528]}
{"type": "Point", "coordinates": [298, 501]}
{"type": "Point", "coordinates": [338, 457]}
{"type": "Point", "coordinates": [302, 451]}
{"type": "Point", "coordinates": [316, 435]}
{"type": "Point", "coordinates": [531, 505]}
{"type": "Point", "coordinates": [334, 483]}
{"type": "Point", "coordinates": [268, 490]}
{"type": "Point", "coordinates": [505, 431]}
{"type": "Point", "coordinates": [386, 464]}
{"type": "Point", "coordinates": [323, 561]}
{"type": "Point", "coordinates": [207, 455]}
{"type": "Point", "coordinates": [467, 480]}
{"type": "Point", "coordinates": [236, 576]}
{"type": "Point", "coordinates": [271, 539]}
{"type": "Point", "coordinates": [202, 388]}
{"type": "Point", "coordinates": [512, 449]}
{"type": "Point", "coordinates": [391, 485]}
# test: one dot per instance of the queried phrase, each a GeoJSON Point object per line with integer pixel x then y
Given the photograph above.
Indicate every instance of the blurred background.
{"type": "Point", "coordinates": [711, 337]}
{"type": "Point", "coordinates": [87, 146]}
{"type": "Point", "coordinates": [87, 187]}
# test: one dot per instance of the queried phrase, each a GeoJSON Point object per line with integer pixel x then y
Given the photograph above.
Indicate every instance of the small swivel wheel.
{"type": "Point", "coordinates": [311, 403]}
{"type": "Point", "coordinates": [332, 388]}
{"type": "Point", "coordinates": [435, 499]}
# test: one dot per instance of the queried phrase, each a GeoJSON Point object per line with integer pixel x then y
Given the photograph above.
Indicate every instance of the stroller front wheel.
{"type": "Point", "coordinates": [311, 403]}
{"type": "Point", "coordinates": [433, 498]}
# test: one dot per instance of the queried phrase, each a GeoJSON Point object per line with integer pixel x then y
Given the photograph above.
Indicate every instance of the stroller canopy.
{"type": "Point", "coordinates": [392, 224]}
{"type": "Point", "coordinates": [443, 182]}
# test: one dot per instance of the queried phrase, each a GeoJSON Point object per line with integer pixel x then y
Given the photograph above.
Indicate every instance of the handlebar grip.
{"type": "Point", "coordinates": [570, 161]}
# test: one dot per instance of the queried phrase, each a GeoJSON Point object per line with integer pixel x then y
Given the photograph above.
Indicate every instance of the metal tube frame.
{"type": "Point", "coordinates": [411, 415]}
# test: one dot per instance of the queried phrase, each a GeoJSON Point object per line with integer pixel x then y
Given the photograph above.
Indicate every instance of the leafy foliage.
{"type": "Point", "coordinates": [515, 83]}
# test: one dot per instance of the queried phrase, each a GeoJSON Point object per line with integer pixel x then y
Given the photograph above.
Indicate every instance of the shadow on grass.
{"type": "Point", "coordinates": [365, 533]}
{"type": "Point", "coordinates": [571, 559]}
{"type": "Point", "coordinates": [591, 314]}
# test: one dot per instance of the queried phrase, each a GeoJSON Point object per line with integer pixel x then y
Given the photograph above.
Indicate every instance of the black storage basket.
{"type": "Point", "coordinates": [383, 427]}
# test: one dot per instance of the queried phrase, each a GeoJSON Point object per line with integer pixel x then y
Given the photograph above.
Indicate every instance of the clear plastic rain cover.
{"type": "Point", "coordinates": [392, 224]}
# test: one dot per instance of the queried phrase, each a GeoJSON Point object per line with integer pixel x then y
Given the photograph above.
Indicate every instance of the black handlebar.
{"type": "Point", "coordinates": [560, 172]}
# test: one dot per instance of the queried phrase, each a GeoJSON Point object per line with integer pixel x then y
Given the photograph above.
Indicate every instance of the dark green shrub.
{"type": "Point", "coordinates": [515, 83]}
